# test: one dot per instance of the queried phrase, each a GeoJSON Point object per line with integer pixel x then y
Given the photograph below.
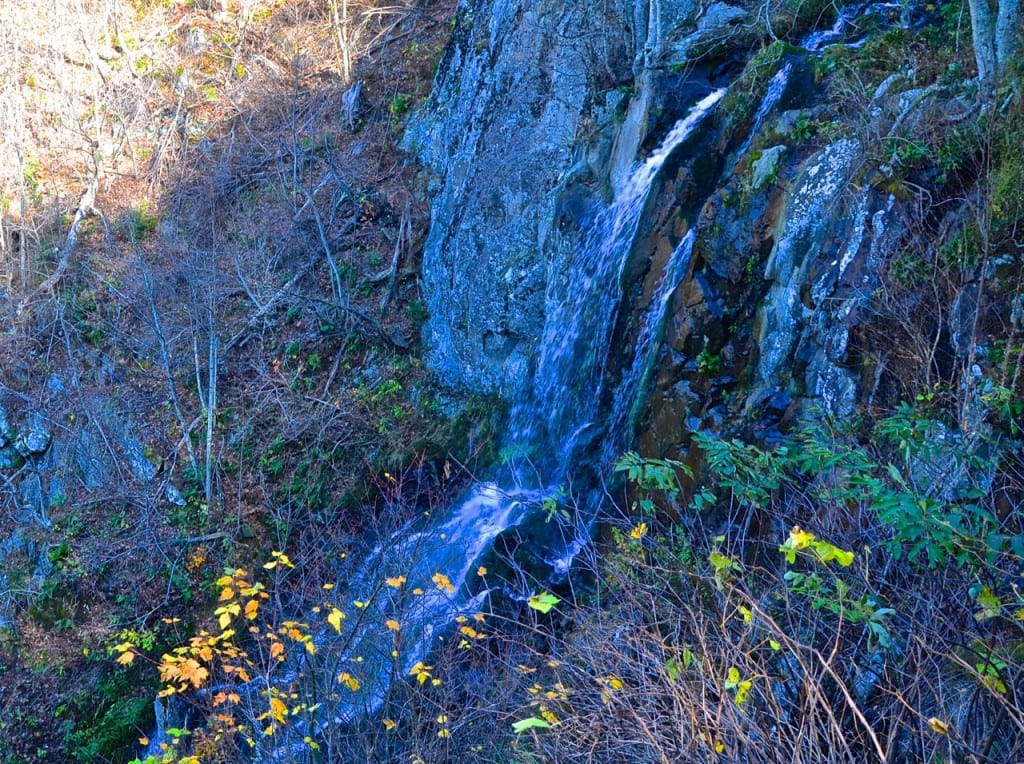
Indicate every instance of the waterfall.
{"type": "Point", "coordinates": [560, 408]}
{"type": "Point", "coordinates": [424, 576]}
{"type": "Point", "coordinates": [557, 407]}
{"type": "Point", "coordinates": [776, 87]}
{"type": "Point", "coordinates": [814, 43]}
{"type": "Point", "coordinates": [632, 390]}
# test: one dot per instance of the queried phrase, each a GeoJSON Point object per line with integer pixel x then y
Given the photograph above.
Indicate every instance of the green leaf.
{"type": "Point", "coordinates": [743, 692]}
{"type": "Point", "coordinates": [842, 556]}
{"type": "Point", "coordinates": [543, 603]}
{"type": "Point", "coordinates": [687, 657]}
{"type": "Point", "coordinates": [991, 605]}
{"type": "Point", "coordinates": [531, 723]}
{"type": "Point", "coordinates": [672, 669]}
{"type": "Point", "coordinates": [733, 679]}
{"type": "Point", "coordinates": [720, 562]}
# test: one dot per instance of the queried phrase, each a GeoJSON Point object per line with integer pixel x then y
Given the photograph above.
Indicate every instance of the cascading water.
{"type": "Point", "coordinates": [632, 390]}
{"type": "Point", "coordinates": [559, 408]}
{"type": "Point", "coordinates": [776, 87]}
{"type": "Point", "coordinates": [814, 43]}
{"type": "Point", "coordinates": [553, 420]}
{"type": "Point", "coordinates": [435, 556]}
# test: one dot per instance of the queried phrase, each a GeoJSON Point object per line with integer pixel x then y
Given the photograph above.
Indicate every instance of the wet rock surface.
{"type": "Point", "coordinates": [789, 239]}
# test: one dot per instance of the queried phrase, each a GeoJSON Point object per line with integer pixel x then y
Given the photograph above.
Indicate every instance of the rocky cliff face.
{"type": "Point", "coordinates": [536, 120]}
{"type": "Point", "coordinates": [534, 100]}
{"type": "Point", "coordinates": [522, 84]}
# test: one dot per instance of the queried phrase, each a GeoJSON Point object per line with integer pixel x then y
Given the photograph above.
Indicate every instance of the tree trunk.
{"type": "Point", "coordinates": [1007, 18]}
{"type": "Point", "coordinates": [983, 34]}
{"type": "Point", "coordinates": [995, 40]}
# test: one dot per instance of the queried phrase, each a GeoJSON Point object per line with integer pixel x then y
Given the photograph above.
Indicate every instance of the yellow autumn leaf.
{"type": "Point", "coordinates": [392, 624]}
{"type": "Point", "coordinates": [421, 671]}
{"type": "Point", "coordinates": [395, 581]}
{"type": "Point", "coordinates": [334, 618]}
{"type": "Point", "coordinates": [280, 558]}
{"type": "Point", "coordinates": [442, 582]}
{"type": "Point", "coordinates": [611, 682]}
{"type": "Point", "coordinates": [800, 539]}
{"type": "Point", "coordinates": [126, 658]}
{"type": "Point", "coordinates": [389, 724]}
{"type": "Point", "coordinates": [349, 681]}
{"type": "Point", "coordinates": [939, 726]}
{"type": "Point", "coordinates": [639, 531]}
{"type": "Point", "coordinates": [481, 571]}
{"type": "Point", "coordinates": [192, 672]}
{"type": "Point", "coordinates": [251, 609]}
{"type": "Point", "coordinates": [143, 741]}
{"type": "Point", "coordinates": [227, 593]}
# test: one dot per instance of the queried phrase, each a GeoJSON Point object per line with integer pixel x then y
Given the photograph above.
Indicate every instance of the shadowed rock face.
{"type": "Point", "coordinates": [515, 94]}
{"type": "Point", "coordinates": [538, 115]}
{"type": "Point", "coordinates": [539, 110]}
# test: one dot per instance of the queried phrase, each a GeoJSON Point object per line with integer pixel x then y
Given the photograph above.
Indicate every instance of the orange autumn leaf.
{"type": "Point", "coordinates": [278, 710]}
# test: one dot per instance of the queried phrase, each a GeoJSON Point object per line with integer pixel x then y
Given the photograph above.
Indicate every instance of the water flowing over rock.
{"type": "Point", "coordinates": [537, 288]}
{"type": "Point", "coordinates": [528, 111]}
{"type": "Point", "coordinates": [583, 304]}
{"type": "Point", "coordinates": [631, 393]}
